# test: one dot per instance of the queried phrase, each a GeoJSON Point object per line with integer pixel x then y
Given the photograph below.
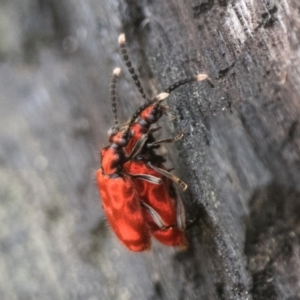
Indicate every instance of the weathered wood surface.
{"type": "Point", "coordinates": [239, 155]}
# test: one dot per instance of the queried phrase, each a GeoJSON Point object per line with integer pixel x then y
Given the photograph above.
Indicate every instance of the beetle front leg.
{"type": "Point", "coordinates": [146, 177]}
{"type": "Point", "coordinates": [169, 175]}
{"type": "Point", "coordinates": [169, 140]}
{"type": "Point", "coordinates": [140, 144]}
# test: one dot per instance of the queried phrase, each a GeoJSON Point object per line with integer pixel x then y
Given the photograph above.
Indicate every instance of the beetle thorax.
{"type": "Point", "coordinates": [152, 113]}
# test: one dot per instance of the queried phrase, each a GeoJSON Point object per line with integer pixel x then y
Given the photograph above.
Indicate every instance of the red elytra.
{"type": "Point", "coordinates": [120, 199]}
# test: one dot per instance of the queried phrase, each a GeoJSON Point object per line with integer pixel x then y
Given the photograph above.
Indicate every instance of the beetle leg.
{"type": "Point", "coordinates": [153, 130]}
{"type": "Point", "coordinates": [180, 214]}
{"type": "Point", "coordinates": [169, 175]}
{"type": "Point", "coordinates": [140, 144]}
{"type": "Point", "coordinates": [138, 147]}
{"type": "Point", "coordinates": [158, 220]}
{"type": "Point", "coordinates": [155, 215]}
{"type": "Point", "coordinates": [146, 177]}
{"type": "Point", "coordinates": [170, 140]}
{"type": "Point", "coordinates": [170, 116]}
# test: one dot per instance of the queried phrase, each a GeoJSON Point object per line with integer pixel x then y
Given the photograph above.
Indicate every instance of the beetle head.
{"type": "Point", "coordinates": [119, 138]}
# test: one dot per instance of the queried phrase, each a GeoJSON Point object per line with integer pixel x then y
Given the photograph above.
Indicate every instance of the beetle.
{"type": "Point", "coordinates": [137, 191]}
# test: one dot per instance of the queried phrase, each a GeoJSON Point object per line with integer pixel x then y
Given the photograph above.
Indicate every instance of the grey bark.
{"type": "Point", "coordinates": [239, 155]}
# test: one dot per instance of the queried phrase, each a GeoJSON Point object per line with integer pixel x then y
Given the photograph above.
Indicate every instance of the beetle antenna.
{"type": "Point", "coordinates": [122, 44]}
{"type": "Point", "coordinates": [160, 97]}
{"type": "Point", "coordinates": [113, 84]}
{"type": "Point", "coordinates": [157, 99]}
{"type": "Point", "coordinates": [199, 77]}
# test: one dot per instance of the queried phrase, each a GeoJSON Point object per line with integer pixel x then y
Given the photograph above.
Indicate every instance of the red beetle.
{"type": "Point", "coordinates": [137, 191]}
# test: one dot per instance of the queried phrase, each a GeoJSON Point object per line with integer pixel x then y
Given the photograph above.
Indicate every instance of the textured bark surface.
{"type": "Point", "coordinates": [240, 152]}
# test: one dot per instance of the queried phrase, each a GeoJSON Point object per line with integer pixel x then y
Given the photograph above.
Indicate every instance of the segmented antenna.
{"type": "Point", "coordinates": [174, 86]}
{"type": "Point", "coordinates": [122, 44]}
{"type": "Point", "coordinates": [199, 77]}
{"type": "Point", "coordinates": [157, 99]}
{"type": "Point", "coordinates": [113, 84]}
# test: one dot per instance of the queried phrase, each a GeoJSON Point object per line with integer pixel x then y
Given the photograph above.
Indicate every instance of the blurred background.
{"type": "Point", "coordinates": [56, 62]}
